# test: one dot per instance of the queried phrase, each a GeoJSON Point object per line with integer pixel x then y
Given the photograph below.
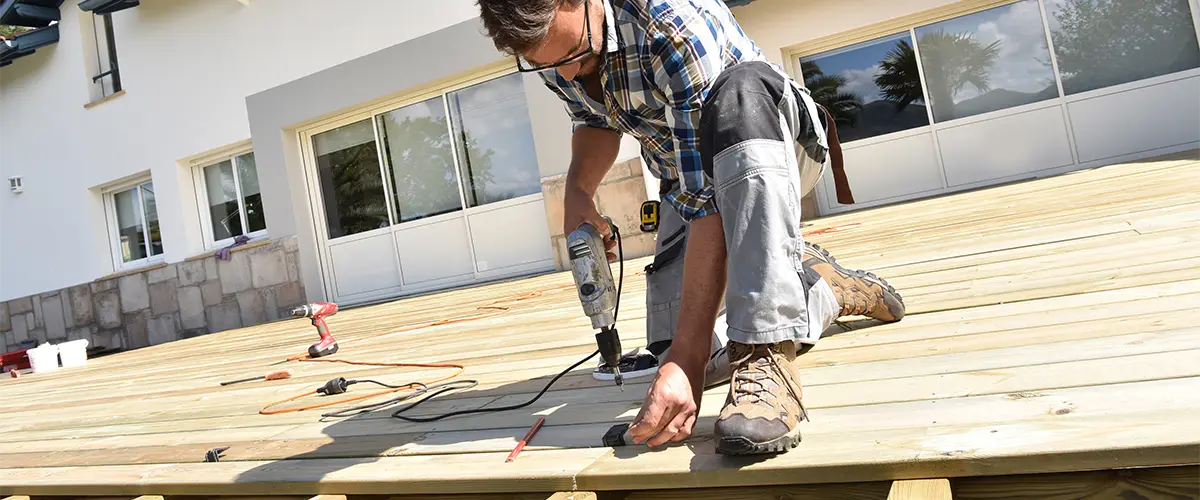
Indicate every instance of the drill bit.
{"type": "Point", "coordinates": [618, 378]}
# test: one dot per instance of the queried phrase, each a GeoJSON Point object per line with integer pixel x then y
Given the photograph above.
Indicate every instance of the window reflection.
{"type": "Point", "coordinates": [351, 184]}
{"type": "Point", "coordinates": [1101, 43]}
{"type": "Point", "coordinates": [870, 89]}
{"type": "Point", "coordinates": [987, 61]}
{"type": "Point", "coordinates": [417, 145]}
{"type": "Point", "coordinates": [495, 141]}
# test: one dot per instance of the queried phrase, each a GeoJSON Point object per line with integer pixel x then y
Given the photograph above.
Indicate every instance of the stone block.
{"type": "Point", "coordinates": [553, 194]}
{"type": "Point", "coordinates": [102, 286]}
{"type": "Point", "coordinates": [250, 304]}
{"type": "Point", "coordinates": [162, 274]}
{"type": "Point", "coordinates": [268, 269]}
{"type": "Point", "coordinates": [82, 332]}
{"type": "Point", "coordinates": [211, 292]}
{"type": "Point", "coordinates": [135, 294]}
{"type": "Point", "coordinates": [163, 297]}
{"type": "Point", "coordinates": [5, 324]}
{"type": "Point", "coordinates": [162, 329]}
{"type": "Point", "coordinates": [38, 319]}
{"type": "Point", "coordinates": [270, 305]}
{"type": "Point", "coordinates": [136, 335]}
{"type": "Point", "coordinates": [54, 317]}
{"type": "Point", "coordinates": [39, 334]}
{"type": "Point", "coordinates": [192, 273]}
{"type": "Point", "coordinates": [187, 334]}
{"type": "Point", "coordinates": [290, 244]}
{"type": "Point", "coordinates": [108, 339]}
{"type": "Point", "coordinates": [210, 268]}
{"type": "Point", "coordinates": [191, 307]}
{"type": "Point", "coordinates": [80, 300]}
{"type": "Point", "coordinates": [622, 201]}
{"type": "Point", "coordinates": [223, 316]}
{"type": "Point", "coordinates": [20, 306]}
{"type": "Point", "coordinates": [289, 295]}
{"type": "Point", "coordinates": [293, 266]}
{"type": "Point", "coordinates": [20, 329]}
{"type": "Point", "coordinates": [234, 273]}
{"type": "Point", "coordinates": [107, 308]}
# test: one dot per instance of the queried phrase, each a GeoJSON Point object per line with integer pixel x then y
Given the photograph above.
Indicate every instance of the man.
{"type": "Point", "coordinates": [736, 143]}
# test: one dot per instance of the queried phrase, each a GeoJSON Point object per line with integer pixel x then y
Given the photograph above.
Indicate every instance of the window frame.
{"type": "Point", "coordinates": [202, 206]}
{"type": "Point", "coordinates": [102, 25]}
{"type": "Point", "coordinates": [114, 225]}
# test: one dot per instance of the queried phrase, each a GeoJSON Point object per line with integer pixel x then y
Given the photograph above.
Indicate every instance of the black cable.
{"type": "Point", "coordinates": [433, 391]}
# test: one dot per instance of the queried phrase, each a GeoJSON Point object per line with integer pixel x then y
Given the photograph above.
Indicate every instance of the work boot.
{"type": "Point", "coordinates": [859, 293]}
{"type": "Point", "coordinates": [763, 410]}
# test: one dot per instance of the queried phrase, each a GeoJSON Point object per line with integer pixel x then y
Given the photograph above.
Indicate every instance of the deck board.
{"type": "Point", "coordinates": [1052, 327]}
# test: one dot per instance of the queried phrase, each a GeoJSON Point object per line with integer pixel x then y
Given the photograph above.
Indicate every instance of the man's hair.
{"type": "Point", "coordinates": [516, 26]}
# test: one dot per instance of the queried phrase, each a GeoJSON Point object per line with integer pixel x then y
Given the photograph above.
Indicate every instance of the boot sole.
{"type": "Point", "coordinates": [742, 446]}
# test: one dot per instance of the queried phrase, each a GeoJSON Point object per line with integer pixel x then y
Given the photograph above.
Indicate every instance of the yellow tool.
{"type": "Point", "coordinates": [650, 216]}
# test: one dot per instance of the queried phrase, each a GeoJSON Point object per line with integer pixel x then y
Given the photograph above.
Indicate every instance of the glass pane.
{"type": "Point", "coordinates": [495, 141]}
{"type": "Point", "coordinates": [1100, 43]}
{"type": "Point", "coordinates": [247, 173]}
{"type": "Point", "coordinates": [130, 237]}
{"type": "Point", "coordinates": [156, 246]}
{"type": "Point", "coordinates": [222, 201]}
{"type": "Point", "coordinates": [871, 89]}
{"type": "Point", "coordinates": [417, 146]}
{"type": "Point", "coordinates": [351, 184]}
{"type": "Point", "coordinates": [987, 61]}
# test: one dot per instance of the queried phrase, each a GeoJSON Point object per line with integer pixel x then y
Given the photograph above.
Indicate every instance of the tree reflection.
{"type": "Point", "coordinates": [1100, 43]}
{"type": "Point", "coordinates": [827, 90]}
{"type": "Point", "coordinates": [422, 164]}
{"type": "Point", "coordinates": [899, 78]}
{"type": "Point", "coordinates": [952, 61]}
{"type": "Point", "coordinates": [353, 190]}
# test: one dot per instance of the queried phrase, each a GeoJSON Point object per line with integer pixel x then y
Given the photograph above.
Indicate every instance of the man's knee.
{"type": "Point", "coordinates": [742, 105]}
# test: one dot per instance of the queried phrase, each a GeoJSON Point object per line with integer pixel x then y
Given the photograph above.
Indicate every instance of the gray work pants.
{"type": "Point", "coordinates": [764, 149]}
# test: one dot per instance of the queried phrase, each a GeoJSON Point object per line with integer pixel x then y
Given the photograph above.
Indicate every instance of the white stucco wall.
{"type": "Point", "coordinates": [187, 68]}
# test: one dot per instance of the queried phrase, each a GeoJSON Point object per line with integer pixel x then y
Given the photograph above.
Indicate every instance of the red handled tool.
{"type": "Point", "coordinates": [318, 311]}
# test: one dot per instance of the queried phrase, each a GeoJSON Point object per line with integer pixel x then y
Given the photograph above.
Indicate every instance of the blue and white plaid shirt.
{"type": "Point", "coordinates": [661, 57]}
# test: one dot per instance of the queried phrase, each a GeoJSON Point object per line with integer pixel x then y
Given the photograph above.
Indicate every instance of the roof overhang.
{"type": "Point", "coordinates": [30, 13]}
{"type": "Point", "coordinates": [25, 43]}
{"type": "Point", "coordinates": [107, 6]}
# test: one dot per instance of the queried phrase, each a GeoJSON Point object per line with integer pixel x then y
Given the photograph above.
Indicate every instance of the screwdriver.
{"type": "Point", "coordinates": [281, 374]}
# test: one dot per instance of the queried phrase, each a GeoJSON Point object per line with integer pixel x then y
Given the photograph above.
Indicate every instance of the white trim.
{"type": "Point", "coordinates": [114, 226]}
{"type": "Point", "coordinates": [200, 186]}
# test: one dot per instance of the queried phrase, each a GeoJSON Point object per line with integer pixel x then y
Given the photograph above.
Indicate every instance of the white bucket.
{"type": "Point", "coordinates": [73, 353]}
{"type": "Point", "coordinates": [43, 358]}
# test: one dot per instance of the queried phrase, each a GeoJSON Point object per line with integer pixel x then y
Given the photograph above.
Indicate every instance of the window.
{"type": "Point", "coordinates": [351, 182]}
{"type": "Point", "coordinates": [100, 55]}
{"type": "Point", "coordinates": [416, 141]}
{"type": "Point", "coordinates": [133, 214]}
{"type": "Point", "coordinates": [987, 61]}
{"type": "Point", "coordinates": [870, 89]}
{"type": "Point", "coordinates": [460, 150]}
{"type": "Point", "coordinates": [231, 200]}
{"type": "Point", "coordinates": [495, 141]}
{"type": "Point", "coordinates": [1101, 43]}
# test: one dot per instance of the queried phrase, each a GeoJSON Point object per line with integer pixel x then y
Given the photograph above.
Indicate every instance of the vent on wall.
{"type": "Point", "coordinates": [14, 184]}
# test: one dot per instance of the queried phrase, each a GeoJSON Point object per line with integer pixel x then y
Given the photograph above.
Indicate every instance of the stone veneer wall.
{"type": "Point", "coordinates": [620, 197]}
{"type": "Point", "coordinates": [164, 302]}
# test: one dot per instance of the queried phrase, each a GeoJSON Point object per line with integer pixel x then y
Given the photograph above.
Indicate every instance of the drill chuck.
{"type": "Point", "coordinates": [609, 343]}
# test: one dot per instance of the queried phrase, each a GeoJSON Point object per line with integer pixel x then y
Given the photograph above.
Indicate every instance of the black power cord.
{"type": "Point", "coordinates": [339, 385]}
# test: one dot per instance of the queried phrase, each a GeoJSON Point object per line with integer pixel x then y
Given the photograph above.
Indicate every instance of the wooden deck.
{"type": "Point", "coordinates": [1052, 326]}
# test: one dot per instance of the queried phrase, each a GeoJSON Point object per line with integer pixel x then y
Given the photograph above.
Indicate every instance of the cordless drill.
{"type": "Point", "coordinates": [597, 291]}
{"type": "Point", "coordinates": [318, 311]}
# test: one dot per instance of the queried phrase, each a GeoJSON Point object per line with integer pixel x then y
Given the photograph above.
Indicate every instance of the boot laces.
{"type": "Point", "coordinates": [752, 370]}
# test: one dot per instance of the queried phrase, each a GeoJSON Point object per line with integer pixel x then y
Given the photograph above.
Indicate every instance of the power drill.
{"type": "Point", "coordinates": [318, 311]}
{"type": "Point", "coordinates": [597, 291]}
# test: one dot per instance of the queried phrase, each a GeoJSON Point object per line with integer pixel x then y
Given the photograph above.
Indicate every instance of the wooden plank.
{"type": "Point", "coordinates": [1160, 482]}
{"type": "Point", "coordinates": [920, 489]}
{"type": "Point", "coordinates": [840, 491]}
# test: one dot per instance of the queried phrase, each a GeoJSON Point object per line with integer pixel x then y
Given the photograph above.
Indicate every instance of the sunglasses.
{"type": "Point", "coordinates": [525, 66]}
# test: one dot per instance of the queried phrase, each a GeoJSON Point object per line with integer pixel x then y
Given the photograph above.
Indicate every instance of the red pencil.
{"type": "Point", "coordinates": [528, 437]}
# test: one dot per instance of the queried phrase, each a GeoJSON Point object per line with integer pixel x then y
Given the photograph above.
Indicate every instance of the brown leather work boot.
{"type": "Point", "coordinates": [763, 410]}
{"type": "Point", "coordinates": [860, 293]}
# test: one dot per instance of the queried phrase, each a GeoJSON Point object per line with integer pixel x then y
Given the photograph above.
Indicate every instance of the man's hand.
{"type": "Point", "coordinates": [578, 208]}
{"type": "Point", "coordinates": [671, 407]}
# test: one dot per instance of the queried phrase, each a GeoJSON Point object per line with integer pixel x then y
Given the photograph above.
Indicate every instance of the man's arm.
{"type": "Point", "coordinates": [840, 182]}
{"type": "Point", "coordinates": [593, 152]}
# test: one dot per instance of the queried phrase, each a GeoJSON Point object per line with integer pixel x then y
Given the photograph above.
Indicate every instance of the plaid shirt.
{"type": "Point", "coordinates": [660, 59]}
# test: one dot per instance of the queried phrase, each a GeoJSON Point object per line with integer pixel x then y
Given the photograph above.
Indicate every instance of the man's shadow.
{"type": "Point", "coordinates": [578, 410]}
